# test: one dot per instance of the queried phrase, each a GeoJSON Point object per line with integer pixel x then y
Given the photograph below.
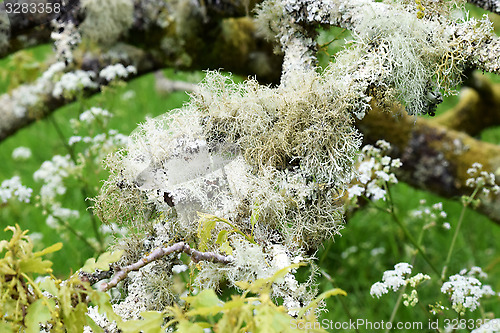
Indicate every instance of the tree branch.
{"type": "Point", "coordinates": [196, 256]}
{"type": "Point", "coordinates": [477, 109]}
{"type": "Point", "coordinates": [233, 46]}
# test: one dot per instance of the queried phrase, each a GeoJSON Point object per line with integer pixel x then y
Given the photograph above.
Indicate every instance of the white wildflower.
{"type": "Point", "coordinates": [378, 289]}
{"type": "Point", "coordinates": [177, 269]}
{"type": "Point", "coordinates": [355, 191]}
{"type": "Point", "coordinates": [464, 291]}
{"type": "Point", "coordinates": [21, 153]}
{"type": "Point", "coordinates": [112, 72]}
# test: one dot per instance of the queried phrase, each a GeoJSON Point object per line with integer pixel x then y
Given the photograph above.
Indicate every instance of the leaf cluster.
{"type": "Point", "coordinates": [252, 311]}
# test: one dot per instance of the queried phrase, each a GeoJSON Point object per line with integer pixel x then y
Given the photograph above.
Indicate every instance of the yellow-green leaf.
{"type": "Point", "coordinates": [91, 323]}
{"type": "Point", "coordinates": [48, 284]}
{"type": "Point", "coordinates": [322, 296]}
{"type": "Point", "coordinates": [103, 262]}
{"type": "Point", "coordinates": [35, 265]}
{"type": "Point", "coordinates": [150, 323]}
{"type": "Point", "coordinates": [204, 304]}
{"type": "Point", "coordinates": [260, 284]}
{"type": "Point", "coordinates": [50, 249]}
{"type": "Point", "coordinates": [38, 312]}
{"type": "Point", "coordinates": [188, 327]}
{"type": "Point", "coordinates": [5, 269]}
{"type": "Point", "coordinates": [222, 237]}
{"type": "Point", "coordinates": [206, 225]}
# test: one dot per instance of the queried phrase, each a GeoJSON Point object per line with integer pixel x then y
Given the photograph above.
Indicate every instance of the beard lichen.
{"type": "Point", "coordinates": [272, 162]}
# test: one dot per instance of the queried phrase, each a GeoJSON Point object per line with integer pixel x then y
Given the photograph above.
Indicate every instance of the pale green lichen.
{"type": "Point", "coordinates": [106, 21]}
{"type": "Point", "coordinates": [297, 146]}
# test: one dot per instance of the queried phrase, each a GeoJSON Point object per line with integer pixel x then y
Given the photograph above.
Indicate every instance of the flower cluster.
{"type": "Point", "coordinates": [465, 290]}
{"type": "Point", "coordinates": [52, 174]}
{"type": "Point", "coordinates": [374, 172]}
{"type": "Point", "coordinates": [73, 82]}
{"type": "Point", "coordinates": [101, 144]}
{"type": "Point", "coordinates": [397, 278]}
{"type": "Point", "coordinates": [21, 153]}
{"type": "Point", "coordinates": [483, 180]}
{"type": "Point", "coordinates": [94, 113]}
{"type": "Point", "coordinates": [112, 72]}
{"type": "Point", "coordinates": [12, 188]}
{"type": "Point", "coordinates": [431, 215]}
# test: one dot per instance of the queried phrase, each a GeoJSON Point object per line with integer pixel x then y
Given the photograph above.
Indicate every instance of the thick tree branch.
{"type": "Point", "coordinates": [196, 256]}
{"type": "Point", "coordinates": [233, 46]}
{"type": "Point", "coordinates": [477, 109]}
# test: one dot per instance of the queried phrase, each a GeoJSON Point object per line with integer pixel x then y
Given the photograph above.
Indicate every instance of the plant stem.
{"type": "Point", "coordinates": [238, 231]}
{"type": "Point", "coordinates": [84, 188]}
{"type": "Point", "coordinates": [398, 302]}
{"type": "Point", "coordinates": [455, 235]}
{"type": "Point", "coordinates": [407, 233]}
{"type": "Point", "coordinates": [342, 302]}
{"type": "Point", "coordinates": [79, 235]}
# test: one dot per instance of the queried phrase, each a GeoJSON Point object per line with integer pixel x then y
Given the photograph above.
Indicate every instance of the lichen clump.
{"type": "Point", "coordinates": [269, 163]}
{"type": "Point", "coordinates": [106, 21]}
{"type": "Point", "coordinates": [283, 154]}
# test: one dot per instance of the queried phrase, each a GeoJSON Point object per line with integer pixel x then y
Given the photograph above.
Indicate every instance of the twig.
{"type": "Point", "coordinates": [196, 256]}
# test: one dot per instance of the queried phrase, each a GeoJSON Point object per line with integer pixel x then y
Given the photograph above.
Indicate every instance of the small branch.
{"type": "Point", "coordinates": [95, 277]}
{"type": "Point", "coordinates": [477, 108]}
{"type": "Point", "coordinates": [196, 256]}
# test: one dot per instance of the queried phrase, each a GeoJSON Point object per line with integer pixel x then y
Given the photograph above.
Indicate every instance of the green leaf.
{"type": "Point", "coordinates": [224, 243]}
{"type": "Point", "coordinates": [50, 249]}
{"type": "Point", "coordinates": [222, 237]}
{"type": "Point", "coordinates": [91, 323]}
{"type": "Point", "coordinates": [5, 269]}
{"type": "Point", "coordinates": [205, 303]}
{"type": "Point", "coordinates": [48, 284]}
{"type": "Point", "coordinates": [322, 296]}
{"type": "Point", "coordinates": [75, 319]}
{"type": "Point", "coordinates": [103, 302]}
{"type": "Point", "coordinates": [261, 284]}
{"type": "Point", "coordinates": [269, 319]}
{"type": "Point", "coordinates": [188, 327]}
{"type": "Point", "coordinates": [103, 262]}
{"type": "Point", "coordinates": [38, 312]}
{"type": "Point", "coordinates": [150, 323]}
{"type": "Point", "coordinates": [35, 265]}
{"type": "Point", "coordinates": [6, 327]}
{"type": "Point", "coordinates": [206, 225]}
{"type": "Point", "coordinates": [255, 216]}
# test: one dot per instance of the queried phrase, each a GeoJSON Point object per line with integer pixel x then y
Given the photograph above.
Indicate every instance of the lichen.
{"type": "Point", "coordinates": [106, 21]}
